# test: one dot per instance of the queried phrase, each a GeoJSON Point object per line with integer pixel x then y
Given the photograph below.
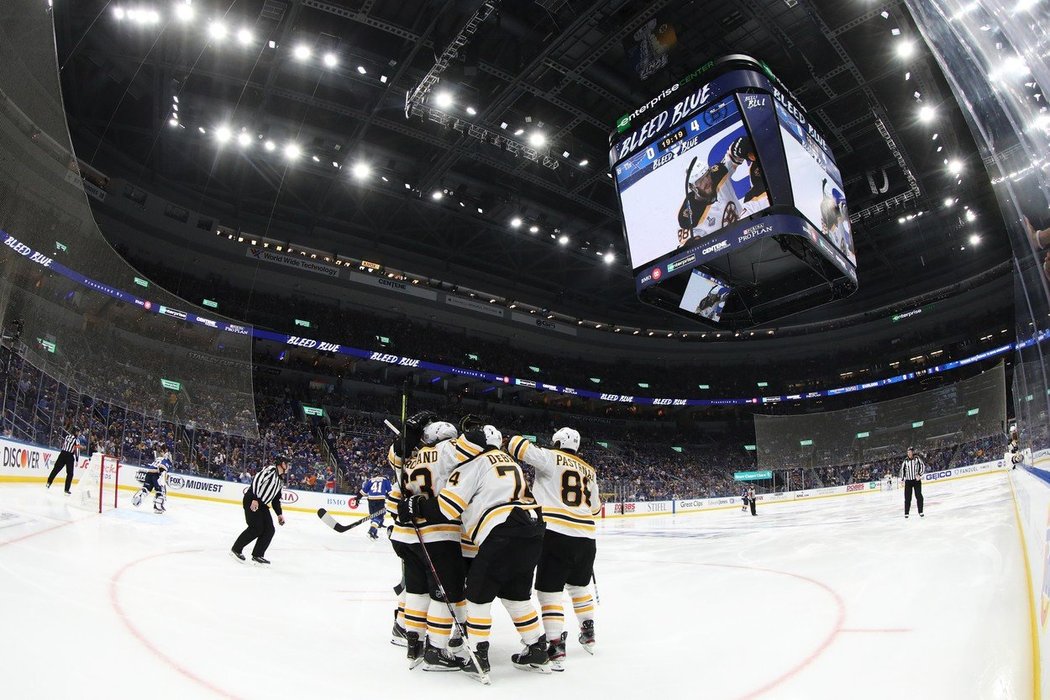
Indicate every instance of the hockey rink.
{"type": "Point", "coordinates": [832, 598]}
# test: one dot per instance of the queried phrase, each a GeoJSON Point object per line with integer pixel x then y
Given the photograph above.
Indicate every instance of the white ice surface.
{"type": "Point", "coordinates": [833, 598]}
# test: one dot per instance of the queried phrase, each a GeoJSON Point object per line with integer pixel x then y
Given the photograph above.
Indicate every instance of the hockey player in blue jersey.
{"type": "Point", "coordinates": [156, 480]}
{"type": "Point", "coordinates": [375, 490]}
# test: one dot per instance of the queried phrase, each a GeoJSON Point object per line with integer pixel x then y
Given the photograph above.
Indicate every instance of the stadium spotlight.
{"type": "Point", "coordinates": [244, 139]}
{"type": "Point", "coordinates": [269, 145]}
{"type": "Point", "coordinates": [292, 151]}
{"type": "Point", "coordinates": [905, 49]}
{"type": "Point", "coordinates": [202, 129]}
{"type": "Point", "coordinates": [537, 139]}
{"type": "Point", "coordinates": [244, 36]}
{"type": "Point", "coordinates": [361, 170]}
{"type": "Point", "coordinates": [609, 258]}
{"type": "Point", "coordinates": [949, 201]}
{"type": "Point", "coordinates": [471, 111]}
{"type": "Point", "coordinates": [564, 240]}
{"type": "Point", "coordinates": [955, 166]}
{"type": "Point", "coordinates": [515, 222]}
{"type": "Point", "coordinates": [974, 239]}
{"type": "Point", "coordinates": [519, 132]}
{"type": "Point", "coordinates": [223, 134]}
{"type": "Point", "coordinates": [362, 70]}
{"type": "Point", "coordinates": [302, 52]}
{"type": "Point", "coordinates": [383, 79]}
{"type": "Point", "coordinates": [119, 13]}
{"type": "Point", "coordinates": [436, 195]}
{"type": "Point", "coordinates": [443, 99]}
{"type": "Point", "coordinates": [173, 121]}
{"type": "Point", "coordinates": [970, 216]}
{"type": "Point", "coordinates": [184, 12]}
{"type": "Point", "coordinates": [927, 114]}
{"type": "Point", "coordinates": [534, 229]}
{"type": "Point", "coordinates": [217, 30]}
{"type": "Point", "coordinates": [330, 60]}
{"type": "Point", "coordinates": [584, 163]}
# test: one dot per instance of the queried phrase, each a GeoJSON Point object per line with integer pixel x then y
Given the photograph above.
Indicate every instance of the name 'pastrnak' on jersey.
{"type": "Point", "coordinates": [565, 486]}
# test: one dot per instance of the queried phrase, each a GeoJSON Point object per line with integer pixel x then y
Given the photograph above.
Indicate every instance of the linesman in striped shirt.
{"type": "Point", "coordinates": [912, 469]}
{"type": "Point", "coordinates": [67, 458]}
{"type": "Point", "coordinates": [264, 493]}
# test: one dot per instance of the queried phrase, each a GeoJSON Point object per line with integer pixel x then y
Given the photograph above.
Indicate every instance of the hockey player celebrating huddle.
{"type": "Point", "coordinates": [488, 495]}
{"type": "Point", "coordinates": [567, 489]}
{"type": "Point", "coordinates": [425, 469]}
{"type": "Point", "coordinates": [156, 480]}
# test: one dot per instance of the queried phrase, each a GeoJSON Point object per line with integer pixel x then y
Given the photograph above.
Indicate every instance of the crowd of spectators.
{"type": "Point", "coordinates": [635, 461]}
{"type": "Point", "coordinates": [442, 344]}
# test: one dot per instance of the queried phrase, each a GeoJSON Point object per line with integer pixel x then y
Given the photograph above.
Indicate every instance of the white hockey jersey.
{"type": "Point", "coordinates": [566, 487]}
{"type": "Point", "coordinates": [484, 490]}
{"type": "Point", "coordinates": [726, 208]}
{"type": "Point", "coordinates": [426, 473]}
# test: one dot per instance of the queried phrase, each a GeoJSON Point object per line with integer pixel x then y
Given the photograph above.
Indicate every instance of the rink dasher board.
{"type": "Point", "coordinates": [22, 462]}
{"type": "Point", "coordinates": [25, 463]}
{"type": "Point", "coordinates": [648, 509]}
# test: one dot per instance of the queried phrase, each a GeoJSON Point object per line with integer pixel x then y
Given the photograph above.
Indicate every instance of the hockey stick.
{"type": "Point", "coordinates": [597, 598]}
{"type": "Point", "coordinates": [338, 527]}
{"type": "Point", "coordinates": [483, 675]}
{"type": "Point", "coordinates": [392, 427]}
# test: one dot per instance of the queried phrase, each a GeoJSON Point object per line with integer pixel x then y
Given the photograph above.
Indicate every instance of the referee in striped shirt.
{"type": "Point", "coordinates": [67, 458]}
{"type": "Point", "coordinates": [912, 469]}
{"type": "Point", "coordinates": [264, 492]}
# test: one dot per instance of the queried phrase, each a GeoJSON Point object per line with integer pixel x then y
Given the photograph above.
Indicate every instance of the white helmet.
{"type": "Point", "coordinates": [437, 431]}
{"type": "Point", "coordinates": [493, 437]}
{"type": "Point", "coordinates": [566, 439]}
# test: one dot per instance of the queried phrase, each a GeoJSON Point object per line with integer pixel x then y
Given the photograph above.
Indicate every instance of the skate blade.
{"type": "Point", "coordinates": [589, 648]}
{"type": "Point", "coordinates": [483, 679]}
{"type": "Point", "coordinates": [440, 669]}
{"type": "Point", "coordinates": [531, 668]}
{"type": "Point", "coordinates": [399, 643]}
{"type": "Point", "coordinates": [413, 663]}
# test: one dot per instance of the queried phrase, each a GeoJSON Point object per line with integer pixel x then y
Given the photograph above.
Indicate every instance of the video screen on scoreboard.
{"type": "Point", "coordinates": [704, 296]}
{"type": "Point", "coordinates": [692, 181]}
{"type": "Point", "coordinates": [816, 184]}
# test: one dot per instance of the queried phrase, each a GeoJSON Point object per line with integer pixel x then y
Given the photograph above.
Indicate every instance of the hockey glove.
{"type": "Point", "coordinates": [414, 428]}
{"type": "Point", "coordinates": [410, 508]}
{"type": "Point", "coordinates": [471, 422]}
{"type": "Point", "coordinates": [742, 149]}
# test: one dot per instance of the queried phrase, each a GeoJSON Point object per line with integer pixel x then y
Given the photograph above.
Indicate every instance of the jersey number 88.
{"type": "Point", "coordinates": [575, 489]}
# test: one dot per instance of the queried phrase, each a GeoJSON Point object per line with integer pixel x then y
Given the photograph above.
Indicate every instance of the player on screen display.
{"type": "Point", "coordinates": [566, 487]}
{"type": "Point", "coordinates": [156, 480]}
{"type": "Point", "coordinates": [710, 201]}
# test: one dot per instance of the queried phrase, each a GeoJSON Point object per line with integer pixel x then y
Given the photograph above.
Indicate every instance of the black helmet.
{"type": "Point", "coordinates": [281, 459]}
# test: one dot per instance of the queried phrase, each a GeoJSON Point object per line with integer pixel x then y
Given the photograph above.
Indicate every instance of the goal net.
{"type": "Point", "coordinates": [97, 484]}
{"type": "Point", "coordinates": [890, 483]}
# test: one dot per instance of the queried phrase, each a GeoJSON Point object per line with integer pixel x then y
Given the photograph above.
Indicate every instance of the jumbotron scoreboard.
{"type": "Point", "coordinates": [733, 206]}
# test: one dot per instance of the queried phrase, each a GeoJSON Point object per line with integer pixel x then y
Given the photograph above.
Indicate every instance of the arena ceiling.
{"type": "Point", "coordinates": [160, 92]}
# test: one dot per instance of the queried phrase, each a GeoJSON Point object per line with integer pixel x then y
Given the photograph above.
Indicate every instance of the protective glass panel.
{"type": "Point", "coordinates": [66, 294]}
{"type": "Point", "coordinates": [955, 414]}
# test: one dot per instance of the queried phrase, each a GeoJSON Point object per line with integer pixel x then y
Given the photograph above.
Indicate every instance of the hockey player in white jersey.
{"type": "Point", "coordinates": [488, 493]}
{"type": "Point", "coordinates": [710, 200]}
{"type": "Point", "coordinates": [430, 459]}
{"type": "Point", "coordinates": [156, 480]}
{"type": "Point", "coordinates": [566, 487]}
